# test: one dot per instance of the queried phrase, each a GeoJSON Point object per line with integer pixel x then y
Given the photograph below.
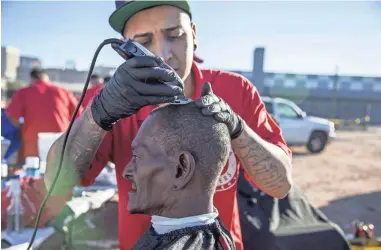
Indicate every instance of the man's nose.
{"type": "Point", "coordinates": [127, 171]}
{"type": "Point", "coordinates": [163, 50]}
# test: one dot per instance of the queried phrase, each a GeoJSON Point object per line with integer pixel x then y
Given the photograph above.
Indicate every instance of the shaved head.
{"type": "Point", "coordinates": [184, 128]}
{"type": "Point", "coordinates": [178, 155]}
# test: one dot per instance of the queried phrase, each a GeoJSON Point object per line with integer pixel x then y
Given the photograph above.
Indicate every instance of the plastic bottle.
{"type": "Point", "coordinates": [31, 166]}
{"type": "Point", "coordinates": [15, 210]}
{"type": "Point", "coordinates": [42, 167]}
{"type": "Point", "coordinates": [4, 174]}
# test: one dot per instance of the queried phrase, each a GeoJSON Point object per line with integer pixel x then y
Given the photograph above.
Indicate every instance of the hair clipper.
{"type": "Point", "coordinates": [129, 49]}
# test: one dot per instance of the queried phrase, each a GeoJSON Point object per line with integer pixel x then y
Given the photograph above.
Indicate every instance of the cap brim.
{"type": "Point", "coordinates": [120, 16]}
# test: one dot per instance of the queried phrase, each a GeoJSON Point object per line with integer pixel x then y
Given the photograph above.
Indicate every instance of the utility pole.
{"type": "Point", "coordinates": [334, 92]}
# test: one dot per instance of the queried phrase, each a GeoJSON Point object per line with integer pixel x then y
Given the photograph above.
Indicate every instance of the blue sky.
{"type": "Point", "coordinates": [305, 37]}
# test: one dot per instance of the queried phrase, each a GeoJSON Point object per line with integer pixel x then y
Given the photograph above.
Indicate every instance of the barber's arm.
{"type": "Point", "coordinates": [268, 165]}
{"type": "Point", "coordinates": [135, 84]}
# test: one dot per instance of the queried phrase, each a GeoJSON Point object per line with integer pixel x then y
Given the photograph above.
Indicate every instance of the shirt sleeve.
{"type": "Point", "coordinates": [15, 108]}
{"type": "Point", "coordinates": [259, 120]}
{"type": "Point", "coordinates": [102, 157]}
{"type": "Point", "coordinates": [72, 105]}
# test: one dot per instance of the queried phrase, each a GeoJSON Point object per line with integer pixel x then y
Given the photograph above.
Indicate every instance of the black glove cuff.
{"type": "Point", "coordinates": [238, 131]}
{"type": "Point", "coordinates": [100, 115]}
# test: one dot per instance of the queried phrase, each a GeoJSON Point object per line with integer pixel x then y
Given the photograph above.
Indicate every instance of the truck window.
{"type": "Point", "coordinates": [269, 107]}
{"type": "Point", "coordinates": [286, 111]}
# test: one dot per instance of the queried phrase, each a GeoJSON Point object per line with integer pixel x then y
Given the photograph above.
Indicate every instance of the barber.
{"type": "Point", "coordinates": [105, 130]}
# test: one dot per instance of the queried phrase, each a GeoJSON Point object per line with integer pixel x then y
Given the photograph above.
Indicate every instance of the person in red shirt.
{"type": "Point", "coordinates": [97, 85]}
{"type": "Point", "coordinates": [106, 79]}
{"type": "Point", "coordinates": [107, 127]}
{"type": "Point", "coordinates": [43, 107]}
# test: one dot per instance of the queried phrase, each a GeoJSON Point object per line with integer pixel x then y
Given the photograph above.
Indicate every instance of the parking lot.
{"type": "Point", "coordinates": [345, 179]}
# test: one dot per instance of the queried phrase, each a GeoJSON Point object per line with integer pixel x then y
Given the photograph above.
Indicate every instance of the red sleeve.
{"type": "Point", "coordinates": [15, 108]}
{"type": "Point", "coordinates": [89, 96]}
{"type": "Point", "coordinates": [72, 105]}
{"type": "Point", "coordinates": [102, 157]}
{"type": "Point", "coordinates": [257, 118]}
{"type": "Point", "coordinates": [86, 100]}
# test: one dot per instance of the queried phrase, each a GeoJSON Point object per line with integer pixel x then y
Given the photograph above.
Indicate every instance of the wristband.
{"type": "Point", "coordinates": [239, 129]}
{"type": "Point", "coordinates": [100, 116]}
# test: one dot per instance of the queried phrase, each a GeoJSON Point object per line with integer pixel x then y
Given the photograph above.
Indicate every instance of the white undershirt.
{"type": "Point", "coordinates": [164, 225]}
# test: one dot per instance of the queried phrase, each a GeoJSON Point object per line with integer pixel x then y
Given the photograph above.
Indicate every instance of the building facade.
{"type": "Point", "coordinates": [10, 61]}
{"type": "Point", "coordinates": [66, 75]}
{"type": "Point", "coordinates": [27, 63]}
{"type": "Point", "coordinates": [103, 71]}
{"type": "Point", "coordinates": [328, 96]}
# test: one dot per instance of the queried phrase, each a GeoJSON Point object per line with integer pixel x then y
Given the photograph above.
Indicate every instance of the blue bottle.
{"type": "Point", "coordinates": [31, 166]}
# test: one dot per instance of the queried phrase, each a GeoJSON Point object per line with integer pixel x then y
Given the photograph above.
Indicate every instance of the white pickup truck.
{"type": "Point", "coordinates": [298, 128]}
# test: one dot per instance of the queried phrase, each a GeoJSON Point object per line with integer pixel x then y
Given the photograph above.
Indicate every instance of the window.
{"type": "Point", "coordinates": [269, 107]}
{"type": "Point", "coordinates": [286, 111]}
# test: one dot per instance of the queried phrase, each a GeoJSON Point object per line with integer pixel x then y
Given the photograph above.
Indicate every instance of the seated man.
{"type": "Point", "coordinates": [178, 156]}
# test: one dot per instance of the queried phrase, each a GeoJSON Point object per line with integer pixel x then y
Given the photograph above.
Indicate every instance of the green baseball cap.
{"type": "Point", "coordinates": [126, 9]}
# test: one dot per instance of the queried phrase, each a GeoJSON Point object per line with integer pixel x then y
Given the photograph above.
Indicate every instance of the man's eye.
{"type": "Point", "coordinates": [176, 35]}
{"type": "Point", "coordinates": [144, 43]}
{"type": "Point", "coordinates": [134, 158]}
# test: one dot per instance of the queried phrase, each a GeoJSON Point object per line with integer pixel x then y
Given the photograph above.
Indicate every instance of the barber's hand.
{"type": "Point", "coordinates": [212, 105]}
{"type": "Point", "coordinates": [138, 82]}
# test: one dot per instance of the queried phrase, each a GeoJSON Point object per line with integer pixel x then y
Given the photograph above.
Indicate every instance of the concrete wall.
{"type": "Point", "coordinates": [352, 98]}
{"type": "Point", "coordinates": [67, 75]}
{"type": "Point", "coordinates": [329, 96]}
{"type": "Point", "coordinates": [342, 97]}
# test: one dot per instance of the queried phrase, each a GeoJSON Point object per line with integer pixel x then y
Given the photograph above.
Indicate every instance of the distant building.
{"type": "Point", "coordinates": [10, 61]}
{"type": "Point", "coordinates": [27, 63]}
{"type": "Point", "coordinates": [69, 75]}
{"type": "Point", "coordinates": [66, 75]}
{"type": "Point", "coordinates": [104, 71]}
{"type": "Point", "coordinates": [70, 64]}
{"type": "Point", "coordinates": [329, 96]}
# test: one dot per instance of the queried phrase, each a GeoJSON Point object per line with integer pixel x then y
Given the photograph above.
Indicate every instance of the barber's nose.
{"type": "Point", "coordinates": [163, 50]}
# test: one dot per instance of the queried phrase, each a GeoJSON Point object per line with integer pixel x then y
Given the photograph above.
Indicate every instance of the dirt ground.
{"type": "Point", "coordinates": [344, 181]}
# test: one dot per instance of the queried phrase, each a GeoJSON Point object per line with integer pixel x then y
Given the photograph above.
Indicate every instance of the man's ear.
{"type": "Point", "coordinates": [184, 170]}
{"type": "Point", "coordinates": [194, 36]}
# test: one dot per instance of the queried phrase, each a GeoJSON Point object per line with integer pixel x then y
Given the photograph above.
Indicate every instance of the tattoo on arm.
{"type": "Point", "coordinates": [82, 144]}
{"type": "Point", "coordinates": [267, 164]}
{"type": "Point", "coordinates": [85, 142]}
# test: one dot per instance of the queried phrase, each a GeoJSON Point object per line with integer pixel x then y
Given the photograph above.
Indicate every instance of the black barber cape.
{"type": "Point", "coordinates": [206, 237]}
{"type": "Point", "coordinates": [291, 223]}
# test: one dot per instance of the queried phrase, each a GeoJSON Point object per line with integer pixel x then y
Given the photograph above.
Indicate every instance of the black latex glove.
{"type": "Point", "coordinates": [138, 82]}
{"type": "Point", "coordinates": [212, 105]}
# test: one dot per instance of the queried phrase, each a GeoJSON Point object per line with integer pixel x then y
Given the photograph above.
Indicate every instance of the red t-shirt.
{"type": "Point", "coordinates": [90, 93]}
{"type": "Point", "coordinates": [45, 108]}
{"type": "Point", "coordinates": [243, 98]}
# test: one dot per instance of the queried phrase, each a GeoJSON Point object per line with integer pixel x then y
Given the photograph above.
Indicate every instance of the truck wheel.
{"type": "Point", "coordinates": [317, 142]}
